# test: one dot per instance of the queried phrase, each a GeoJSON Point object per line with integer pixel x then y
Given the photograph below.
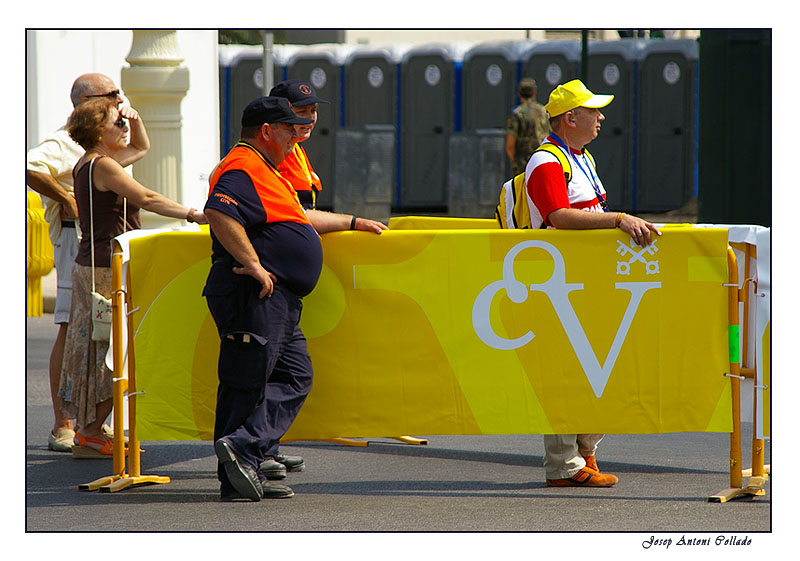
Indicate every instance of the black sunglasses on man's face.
{"type": "Point", "coordinates": [113, 93]}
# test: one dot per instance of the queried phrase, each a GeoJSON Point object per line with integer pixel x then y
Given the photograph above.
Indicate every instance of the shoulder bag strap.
{"type": "Point", "coordinates": [91, 219]}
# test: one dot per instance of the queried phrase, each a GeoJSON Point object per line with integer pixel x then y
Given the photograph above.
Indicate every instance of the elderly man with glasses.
{"type": "Point", "coordinates": [577, 203]}
{"type": "Point", "coordinates": [48, 171]}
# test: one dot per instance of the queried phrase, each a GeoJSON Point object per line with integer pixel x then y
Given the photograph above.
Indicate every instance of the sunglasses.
{"type": "Point", "coordinates": [113, 93]}
{"type": "Point", "coordinates": [121, 123]}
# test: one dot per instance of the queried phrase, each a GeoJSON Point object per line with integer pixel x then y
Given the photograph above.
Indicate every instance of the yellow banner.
{"type": "Point", "coordinates": [468, 331]}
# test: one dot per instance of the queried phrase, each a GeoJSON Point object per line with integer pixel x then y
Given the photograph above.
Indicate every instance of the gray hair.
{"type": "Point", "coordinates": [82, 87]}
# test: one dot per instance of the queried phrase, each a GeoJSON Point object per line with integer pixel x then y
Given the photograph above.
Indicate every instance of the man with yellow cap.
{"type": "Point", "coordinates": [555, 202]}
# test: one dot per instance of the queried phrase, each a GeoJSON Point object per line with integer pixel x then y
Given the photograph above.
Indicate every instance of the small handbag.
{"type": "Point", "coordinates": [101, 306]}
{"type": "Point", "coordinates": [101, 317]}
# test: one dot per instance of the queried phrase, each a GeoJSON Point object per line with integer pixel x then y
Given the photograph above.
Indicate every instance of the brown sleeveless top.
{"type": "Point", "coordinates": [109, 220]}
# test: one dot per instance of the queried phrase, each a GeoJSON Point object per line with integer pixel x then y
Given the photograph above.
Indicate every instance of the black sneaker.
{"type": "Point", "coordinates": [242, 477]}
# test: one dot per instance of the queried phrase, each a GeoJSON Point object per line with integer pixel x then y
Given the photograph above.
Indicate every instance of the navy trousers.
{"type": "Point", "coordinates": [287, 389]}
{"type": "Point", "coordinates": [264, 371]}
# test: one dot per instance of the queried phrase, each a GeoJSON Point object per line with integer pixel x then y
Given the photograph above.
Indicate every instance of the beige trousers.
{"type": "Point", "coordinates": [564, 453]}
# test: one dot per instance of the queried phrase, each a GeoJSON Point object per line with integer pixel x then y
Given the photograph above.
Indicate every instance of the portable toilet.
{"type": "Point", "coordinates": [478, 163]}
{"type": "Point", "coordinates": [428, 105]}
{"type": "Point", "coordinates": [322, 67]}
{"type": "Point", "coordinates": [366, 158]}
{"type": "Point", "coordinates": [489, 83]}
{"type": "Point", "coordinates": [551, 63]}
{"type": "Point", "coordinates": [241, 80]}
{"type": "Point", "coordinates": [667, 139]}
{"type": "Point", "coordinates": [613, 69]}
{"type": "Point", "coordinates": [371, 79]}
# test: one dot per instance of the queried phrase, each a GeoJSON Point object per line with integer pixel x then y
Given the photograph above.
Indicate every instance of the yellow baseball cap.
{"type": "Point", "coordinates": [574, 94]}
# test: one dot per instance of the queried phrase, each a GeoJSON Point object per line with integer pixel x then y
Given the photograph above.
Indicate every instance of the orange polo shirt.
{"type": "Point", "coordinates": [297, 169]}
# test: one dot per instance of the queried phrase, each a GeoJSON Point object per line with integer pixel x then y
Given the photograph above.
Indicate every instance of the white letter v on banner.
{"type": "Point", "coordinates": [597, 375]}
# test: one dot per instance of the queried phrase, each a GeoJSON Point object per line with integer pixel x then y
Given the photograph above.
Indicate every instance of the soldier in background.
{"type": "Point", "coordinates": [526, 127]}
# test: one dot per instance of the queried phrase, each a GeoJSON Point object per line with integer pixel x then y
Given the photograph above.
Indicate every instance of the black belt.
{"type": "Point", "coordinates": [67, 223]}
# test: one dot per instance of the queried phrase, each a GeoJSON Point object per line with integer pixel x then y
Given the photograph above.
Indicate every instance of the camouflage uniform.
{"type": "Point", "coordinates": [528, 122]}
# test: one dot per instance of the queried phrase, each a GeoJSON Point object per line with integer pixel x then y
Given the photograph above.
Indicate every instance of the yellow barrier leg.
{"type": "Point", "coordinates": [348, 442]}
{"type": "Point", "coordinates": [97, 483]}
{"type": "Point", "coordinates": [412, 440]}
{"type": "Point", "coordinates": [735, 489]}
{"type": "Point", "coordinates": [363, 443]}
{"type": "Point", "coordinates": [121, 480]}
{"type": "Point", "coordinates": [758, 473]}
{"type": "Point", "coordinates": [119, 380]}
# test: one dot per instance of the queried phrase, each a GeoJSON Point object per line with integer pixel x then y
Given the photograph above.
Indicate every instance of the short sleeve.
{"type": "Point", "coordinates": [547, 188]}
{"type": "Point", "coordinates": [512, 124]}
{"type": "Point", "coordinates": [56, 156]}
{"type": "Point", "coordinates": [235, 195]}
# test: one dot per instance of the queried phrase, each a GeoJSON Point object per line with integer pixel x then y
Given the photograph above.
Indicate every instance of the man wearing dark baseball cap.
{"type": "Point", "coordinates": [266, 255]}
{"type": "Point", "coordinates": [270, 109]}
{"type": "Point", "coordinates": [298, 93]}
{"type": "Point", "coordinates": [297, 167]}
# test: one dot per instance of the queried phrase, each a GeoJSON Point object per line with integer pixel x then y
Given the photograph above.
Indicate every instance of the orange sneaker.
{"type": "Point", "coordinates": [585, 478]}
{"type": "Point", "coordinates": [591, 463]}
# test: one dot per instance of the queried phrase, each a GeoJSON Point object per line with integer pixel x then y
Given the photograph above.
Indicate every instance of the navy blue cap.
{"type": "Point", "coordinates": [271, 109]}
{"type": "Point", "coordinates": [298, 92]}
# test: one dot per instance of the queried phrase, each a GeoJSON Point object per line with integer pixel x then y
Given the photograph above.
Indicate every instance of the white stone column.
{"type": "Point", "coordinates": [155, 84]}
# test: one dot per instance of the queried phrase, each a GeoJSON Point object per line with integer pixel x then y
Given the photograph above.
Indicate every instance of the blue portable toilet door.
{"type": "Point", "coordinates": [549, 70]}
{"type": "Point", "coordinates": [371, 91]}
{"type": "Point", "coordinates": [665, 177]}
{"type": "Point", "coordinates": [245, 82]}
{"type": "Point", "coordinates": [489, 91]}
{"type": "Point", "coordinates": [427, 123]}
{"type": "Point", "coordinates": [612, 73]}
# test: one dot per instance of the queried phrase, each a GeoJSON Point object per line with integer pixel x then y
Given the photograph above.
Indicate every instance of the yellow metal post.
{"type": "Point", "coordinates": [119, 378]}
{"type": "Point", "coordinates": [120, 383]}
{"type": "Point", "coordinates": [121, 480]}
{"type": "Point", "coordinates": [134, 450]}
{"type": "Point", "coordinates": [758, 472]}
{"type": "Point", "coordinates": [755, 486]}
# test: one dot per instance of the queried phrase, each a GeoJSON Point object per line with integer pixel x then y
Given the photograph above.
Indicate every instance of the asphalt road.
{"type": "Point", "coordinates": [455, 489]}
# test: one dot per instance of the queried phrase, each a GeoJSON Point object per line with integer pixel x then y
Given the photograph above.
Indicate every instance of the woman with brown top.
{"type": "Point", "coordinates": [116, 197]}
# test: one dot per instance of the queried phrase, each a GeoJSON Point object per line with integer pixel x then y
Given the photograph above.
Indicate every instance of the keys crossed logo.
{"type": "Point", "coordinates": [557, 290]}
{"type": "Point", "coordinates": [624, 268]}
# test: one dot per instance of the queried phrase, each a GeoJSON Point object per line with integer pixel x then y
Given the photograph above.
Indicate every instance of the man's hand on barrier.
{"type": "Point", "coordinates": [367, 225]}
{"type": "Point", "coordinates": [638, 229]}
{"type": "Point", "coordinates": [325, 222]}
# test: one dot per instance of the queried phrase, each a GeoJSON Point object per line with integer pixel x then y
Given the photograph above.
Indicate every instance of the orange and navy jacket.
{"type": "Point", "coordinates": [276, 193]}
{"type": "Point", "coordinates": [249, 189]}
{"type": "Point", "coordinates": [297, 169]}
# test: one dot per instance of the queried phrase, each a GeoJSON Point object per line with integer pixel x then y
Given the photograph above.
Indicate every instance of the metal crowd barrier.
{"type": "Point", "coordinates": [124, 360]}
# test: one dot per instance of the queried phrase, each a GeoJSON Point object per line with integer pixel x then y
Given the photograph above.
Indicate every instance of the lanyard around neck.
{"type": "Point", "coordinates": [593, 180]}
{"type": "Point", "coordinates": [301, 159]}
